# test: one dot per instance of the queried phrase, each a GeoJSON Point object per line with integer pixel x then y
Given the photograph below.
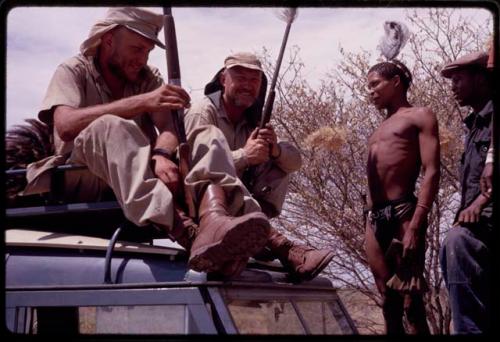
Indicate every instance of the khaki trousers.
{"type": "Point", "coordinates": [117, 154]}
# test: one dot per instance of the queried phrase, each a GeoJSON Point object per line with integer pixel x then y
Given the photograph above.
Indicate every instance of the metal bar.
{"type": "Point", "coordinates": [109, 253]}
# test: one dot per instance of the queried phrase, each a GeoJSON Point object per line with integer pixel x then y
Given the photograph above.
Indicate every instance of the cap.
{"type": "Point", "coordinates": [472, 60]}
{"type": "Point", "coordinates": [141, 21]}
{"type": "Point", "coordinates": [243, 59]}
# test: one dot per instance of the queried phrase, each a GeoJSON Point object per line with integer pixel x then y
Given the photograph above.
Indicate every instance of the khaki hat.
{"type": "Point", "coordinates": [473, 60]}
{"type": "Point", "coordinates": [243, 59]}
{"type": "Point", "coordinates": [141, 21]}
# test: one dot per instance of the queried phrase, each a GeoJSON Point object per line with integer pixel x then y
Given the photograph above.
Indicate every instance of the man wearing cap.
{"type": "Point", "coordinates": [487, 176]}
{"type": "Point", "coordinates": [105, 105]}
{"type": "Point", "coordinates": [465, 254]}
{"type": "Point", "coordinates": [233, 103]}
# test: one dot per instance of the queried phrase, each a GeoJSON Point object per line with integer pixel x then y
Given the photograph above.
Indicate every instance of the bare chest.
{"type": "Point", "coordinates": [395, 131]}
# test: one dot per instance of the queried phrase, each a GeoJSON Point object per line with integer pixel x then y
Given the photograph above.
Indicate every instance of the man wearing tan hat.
{"type": "Point", "coordinates": [465, 254]}
{"type": "Point", "coordinates": [233, 103]}
{"type": "Point", "coordinates": [105, 105]}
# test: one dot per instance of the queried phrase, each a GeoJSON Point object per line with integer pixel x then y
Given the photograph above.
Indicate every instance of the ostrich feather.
{"type": "Point", "coordinates": [395, 36]}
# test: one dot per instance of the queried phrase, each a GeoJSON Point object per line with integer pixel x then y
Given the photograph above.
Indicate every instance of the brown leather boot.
{"type": "Point", "coordinates": [183, 231]}
{"type": "Point", "coordinates": [222, 238]}
{"type": "Point", "coordinates": [301, 261]}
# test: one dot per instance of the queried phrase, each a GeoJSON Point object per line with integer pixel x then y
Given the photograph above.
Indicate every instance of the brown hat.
{"type": "Point", "coordinates": [243, 59]}
{"type": "Point", "coordinates": [473, 60]}
{"type": "Point", "coordinates": [141, 21]}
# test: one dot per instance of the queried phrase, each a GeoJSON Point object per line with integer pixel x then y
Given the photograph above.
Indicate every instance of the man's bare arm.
{"type": "Point", "coordinates": [70, 121]}
{"type": "Point", "coordinates": [429, 154]}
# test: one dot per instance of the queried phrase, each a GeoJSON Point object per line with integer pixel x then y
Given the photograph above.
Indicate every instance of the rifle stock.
{"type": "Point", "coordinates": [174, 77]}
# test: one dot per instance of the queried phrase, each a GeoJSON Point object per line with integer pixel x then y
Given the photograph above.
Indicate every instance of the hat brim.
{"type": "Point", "coordinates": [150, 37]}
{"type": "Point", "coordinates": [447, 73]}
{"type": "Point", "coordinates": [244, 65]}
{"type": "Point", "coordinates": [89, 46]}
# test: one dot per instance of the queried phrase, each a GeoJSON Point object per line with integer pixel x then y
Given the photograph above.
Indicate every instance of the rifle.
{"type": "Point", "coordinates": [288, 15]}
{"type": "Point", "coordinates": [174, 77]}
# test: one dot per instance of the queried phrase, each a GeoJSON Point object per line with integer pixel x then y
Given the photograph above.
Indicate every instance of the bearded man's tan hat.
{"type": "Point", "coordinates": [141, 21]}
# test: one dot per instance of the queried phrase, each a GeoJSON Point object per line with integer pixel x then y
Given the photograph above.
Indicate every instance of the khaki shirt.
{"type": "Point", "coordinates": [210, 111]}
{"type": "Point", "coordinates": [77, 83]}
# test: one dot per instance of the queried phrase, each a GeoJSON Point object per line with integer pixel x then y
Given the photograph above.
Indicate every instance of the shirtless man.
{"type": "Point", "coordinates": [405, 141]}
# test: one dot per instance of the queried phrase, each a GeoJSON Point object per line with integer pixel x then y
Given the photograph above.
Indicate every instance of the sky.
{"type": "Point", "coordinates": [40, 38]}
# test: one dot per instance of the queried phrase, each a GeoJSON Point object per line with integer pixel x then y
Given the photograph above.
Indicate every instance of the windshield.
{"type": "Point", "coordinates": [287, 313]}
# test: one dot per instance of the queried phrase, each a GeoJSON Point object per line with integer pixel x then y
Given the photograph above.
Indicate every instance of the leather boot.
{"type": "Point", "coordinates": [183, 231]}
{"type": "Point", "coordinates": [301, 261]}
{"type": "Point", "coordinates": [222, 238]}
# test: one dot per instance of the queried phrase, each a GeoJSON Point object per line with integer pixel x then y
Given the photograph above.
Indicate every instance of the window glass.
{"type": "Point", "coordinates": [265, 317]}
{"type": "Point", "coordinates": [144, 319]}
{"type": "Point", "coordinates": [319, 318]}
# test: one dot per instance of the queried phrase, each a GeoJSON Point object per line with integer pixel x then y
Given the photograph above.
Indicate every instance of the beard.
{"type": "Point", "coordinates": [118, 70]}
{"type": "Point", "coordinates": [242, 101]}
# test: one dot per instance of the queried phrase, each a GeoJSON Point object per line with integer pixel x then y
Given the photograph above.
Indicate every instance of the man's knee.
{"type": "Point", "coordinates": [109, 128]}
{"type": "Point", "coordinates": [455, 242]}
{"type": "Point", "coordinates": [205, 135]}
{"type": "Point", "coordinates": [461, 255]}
{"type": "Point", "coordinates": [107, 123]}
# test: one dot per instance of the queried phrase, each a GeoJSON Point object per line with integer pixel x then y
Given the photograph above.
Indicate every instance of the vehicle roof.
{"type": "Point", "coordinates": [44, 239]}
{"type": "Point", "coordinates": [38, 258]}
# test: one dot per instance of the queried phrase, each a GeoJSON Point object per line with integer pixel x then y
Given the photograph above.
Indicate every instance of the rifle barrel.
{"type": "Point", "coordinates": [173, 68]}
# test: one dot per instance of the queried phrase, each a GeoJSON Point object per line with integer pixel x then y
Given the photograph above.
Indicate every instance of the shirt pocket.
{"type": "Point", "coordinates": [478, 158]}
{"type": "Point", "coordinates": [482, 146]}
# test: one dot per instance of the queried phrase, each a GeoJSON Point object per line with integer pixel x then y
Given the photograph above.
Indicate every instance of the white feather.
{"type": "Point", "coordinates": [395, 36]}
{"type": "Point", "coordinates": [288, 14]}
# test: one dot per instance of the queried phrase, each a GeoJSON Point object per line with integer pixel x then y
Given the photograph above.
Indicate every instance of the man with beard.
{"type": "Point", "coordinates": [233, 103]}
{"type": "Point", "coordinates": [104, 105]}
{"type": "Point", "coordinates": [466, 252]}
{"type": "Point", "coordinates": [405, 142]}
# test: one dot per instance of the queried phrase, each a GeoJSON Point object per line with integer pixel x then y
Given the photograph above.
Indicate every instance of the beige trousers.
{"type": "Point", "coordinates": [118, 154]}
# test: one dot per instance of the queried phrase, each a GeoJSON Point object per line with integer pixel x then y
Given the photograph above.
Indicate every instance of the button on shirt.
{"type": "Point", "coordinates": [477, 142]}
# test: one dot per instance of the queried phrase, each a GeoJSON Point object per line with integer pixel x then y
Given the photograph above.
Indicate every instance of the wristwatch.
{"type": "Point", "coordinates": [164, 152]}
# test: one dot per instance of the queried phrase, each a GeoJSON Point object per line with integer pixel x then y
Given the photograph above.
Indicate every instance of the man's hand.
{"type": "Point", "coordinates": [472, 213]}
{"type": "Point", "coordinates": [168, 172]}
{"type": "Point", "coordinates": [256, 149]}
{"type": "Point", "coordinates": [410, 243]}
{"type": "Point", "coordinates": [166, 97]}
{"type": "Point", "coordinates": [486, 180]}
{"type": "Point", "coordinates": [267, 134]}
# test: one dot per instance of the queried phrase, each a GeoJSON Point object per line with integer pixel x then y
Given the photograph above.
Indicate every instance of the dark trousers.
{"type": "Point", "coordinates": [466, 266]}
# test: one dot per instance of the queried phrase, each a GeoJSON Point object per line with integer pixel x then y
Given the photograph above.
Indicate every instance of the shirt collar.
{"type": "Point", "coordinates": [221, 111]}
{"type": "Point", "coordinates": [217, 100]}
{"type": "Point", "coordinates": [483, 115]}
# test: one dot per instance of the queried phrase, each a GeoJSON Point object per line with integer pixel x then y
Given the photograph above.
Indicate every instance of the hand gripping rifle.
{"type": "Point", "coordinates": [174, 77]}
{"type": "Point", "coordinates": [288, 15]}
